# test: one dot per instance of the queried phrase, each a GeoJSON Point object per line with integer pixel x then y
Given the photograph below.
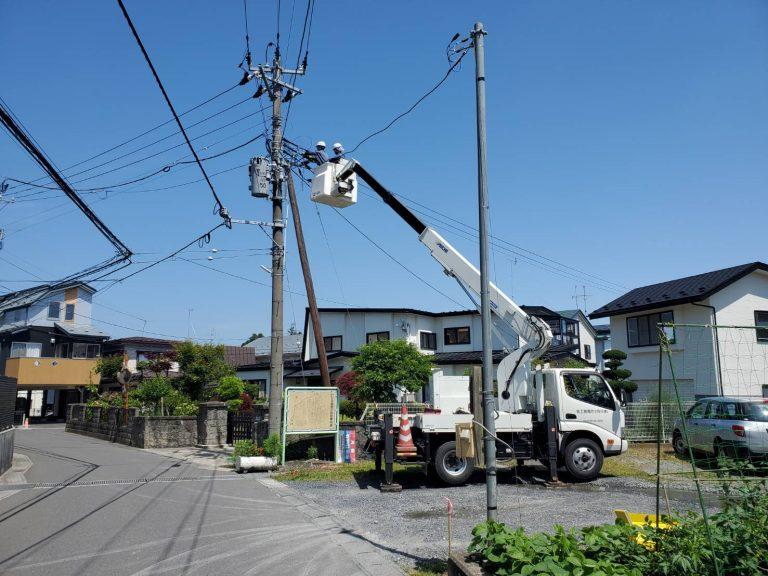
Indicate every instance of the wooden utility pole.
{"type": "Point", "coordinates": [310, 287]}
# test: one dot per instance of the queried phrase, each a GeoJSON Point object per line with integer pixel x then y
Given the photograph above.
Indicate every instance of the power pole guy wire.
{"type": "Point", "coordinates": [221, 209]}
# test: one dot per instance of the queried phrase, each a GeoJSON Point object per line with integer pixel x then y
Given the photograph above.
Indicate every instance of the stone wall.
{"type": "Point", "coordinates": [114, 425]}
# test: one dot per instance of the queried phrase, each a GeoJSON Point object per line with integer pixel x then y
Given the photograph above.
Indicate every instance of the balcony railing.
{"type": "Point", "coordinates": [52, 372]}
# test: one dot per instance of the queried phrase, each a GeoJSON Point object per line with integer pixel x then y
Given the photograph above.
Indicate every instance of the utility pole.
{"type": "Point", "coordinates": [270, 78]}
{"type": "Point", "coordinates": [485, 291]}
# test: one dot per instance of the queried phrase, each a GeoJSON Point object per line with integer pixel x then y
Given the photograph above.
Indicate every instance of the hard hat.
{"type": "Point", "coordinates": [338, 146]}
{"type": "Point", "coordinates": [320, 145]}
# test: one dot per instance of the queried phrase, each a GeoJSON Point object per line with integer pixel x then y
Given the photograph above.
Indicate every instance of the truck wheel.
{"type": "Point", "coordinates": [451, 469]}
{"type": "Point", "coordinates": [583, 459]}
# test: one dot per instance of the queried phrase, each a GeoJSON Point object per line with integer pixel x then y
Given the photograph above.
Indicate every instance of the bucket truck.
{"type": "Point", "coordinates": [577, 404]}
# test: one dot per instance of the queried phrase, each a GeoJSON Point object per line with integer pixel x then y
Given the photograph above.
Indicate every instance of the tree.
{"type": "Point", "coordinates": [201, 365]}
{"type": "Point", "coordinates": [385, 365]}
{"type": "Point", "coordinates": [153, 390]}
{"type": "Point", "coordinates": [252, 337]}
{"type": "Point", "coordinates": [109, 366]}
{"type": "Point", "coordinates": [231, 390]}
{"type": "Point", "coordinates": [616, 375]}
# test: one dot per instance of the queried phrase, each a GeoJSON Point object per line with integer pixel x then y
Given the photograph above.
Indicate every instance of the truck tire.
{"type": "Point", "coordinates": [678, 444]}
{"type": "Point", "coordinates": [452, 470]}
{"type": "Point", "coordinates": [583, 459]}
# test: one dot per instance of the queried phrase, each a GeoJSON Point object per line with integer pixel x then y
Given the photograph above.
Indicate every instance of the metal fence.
{"type": "Point", "coordinates": [390, 408]}
{"type": "Point", "coordinates": [7, 402]}
{"type": "Point", "coordinates": [642, 418]}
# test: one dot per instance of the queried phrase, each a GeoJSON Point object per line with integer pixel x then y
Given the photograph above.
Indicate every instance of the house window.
{"type": "Point", "coordinates": [376, 337]}
{"type": "Point", "coordinates": [26, 349]}
{"type": "Point", "coordinates": [83, 350]}
{"type": "Point", "coordinates": [62, 350]}
{"type": "Point", "coordinates": [642, 330]}
{"type": "Point", "coordinates": [587, 352]}
{"type": "Point", "coordinates": [332, 343]}
{"type": "Point", "coordinates": [428, 341]}
{"type": "Point", "coordinates": [54, 310]}
{"type": "Point", "coordinates": [69, 312]}
{"type": "Point", "coordinates": [459, 335]}
{"type": "Point", "coordinates": [761, 319]}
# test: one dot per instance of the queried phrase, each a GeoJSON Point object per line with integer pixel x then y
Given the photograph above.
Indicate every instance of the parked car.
{"type": "Point", "coordinates": [733, 427]}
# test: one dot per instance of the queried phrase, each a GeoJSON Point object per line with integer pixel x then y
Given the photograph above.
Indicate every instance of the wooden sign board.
{"type": "Point", "coordinates": [311, 409]}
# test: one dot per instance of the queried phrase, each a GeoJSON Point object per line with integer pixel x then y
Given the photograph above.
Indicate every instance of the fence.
{"type": "Point", "coordinates": [7, 406]}
{"type": "Point", "coordinates": [642, 419]}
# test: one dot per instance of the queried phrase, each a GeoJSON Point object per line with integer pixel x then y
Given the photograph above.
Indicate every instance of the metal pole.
{"type": "Point", "coordinates": [276, 351]}
{"type": "Point", "coordinates": [310, 287]}
{"type": "Point", "coordinates": [485, 295]}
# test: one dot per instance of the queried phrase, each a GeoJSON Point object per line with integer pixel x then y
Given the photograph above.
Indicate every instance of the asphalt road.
{"type": "Point", "coordinates": [92, 507]}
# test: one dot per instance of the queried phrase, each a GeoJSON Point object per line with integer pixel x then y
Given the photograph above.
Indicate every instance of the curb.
{"type": "Point", "coordinates": [15, 474]}
{"type": "Point", "coordinates": [369, 559]}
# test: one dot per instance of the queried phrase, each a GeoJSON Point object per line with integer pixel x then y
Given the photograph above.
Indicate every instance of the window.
{"type": "Point", "coordinates": [458, 335]}
{"type": "Point", "coordinates": [587, 352]}
{"type": "Point", "coordinates": [54, 310]}
{"type": "Point", "coordinates": [376, 337]}
{"type": "Point", "coordinates": [62, 350]}
{"type": "Point", "coordinates": [83, 350]}
{"type": "Point", "coordinates": [589, 388]}
{"type": "Point", "coordinates": [696, 412]}
{"type": "Point", "coordinates": [642, 330]}
{"type": "Point", "coordinates": [259, 388]}
{"type": "Point", "coordinates": [726, 411]}
{"type": "Point", "coordinates": [761, 319]}
{"type": "Point", "coordinates": [26, 349]}
{"type": "Point", "coordinates": [332, 343]}
{"type": "Point", "coordinates": [69, 312]}
{"type": "Point", "coordinates": [428, 341]}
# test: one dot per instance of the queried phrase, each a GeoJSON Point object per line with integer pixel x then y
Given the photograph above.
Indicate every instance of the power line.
{"type": "Point", "coordinates": [221, 209]}
{"type": "Point", "coordinates": [429, 92]}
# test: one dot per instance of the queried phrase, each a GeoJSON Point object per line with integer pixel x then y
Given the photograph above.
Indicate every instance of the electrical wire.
{"type": "Point", "coordinates": [451, 68]}
{"type": "Point", "coordinates": [220, 207]}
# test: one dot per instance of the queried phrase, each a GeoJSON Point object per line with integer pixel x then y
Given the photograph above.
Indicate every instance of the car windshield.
{"type": "Point", "coordinates": [757, 411]}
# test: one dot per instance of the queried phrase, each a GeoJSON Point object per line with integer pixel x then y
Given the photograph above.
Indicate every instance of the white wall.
{"type": "Point", "coordinates": [743, 360]}
{"type": "Point", "coordinates": [38, 312]}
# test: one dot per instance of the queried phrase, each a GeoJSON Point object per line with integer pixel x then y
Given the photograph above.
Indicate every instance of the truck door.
{"type": "Point", "coordinates": [589, 400]}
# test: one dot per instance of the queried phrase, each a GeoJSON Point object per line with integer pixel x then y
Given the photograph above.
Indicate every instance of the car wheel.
{"type": "Point", "coordinates": [450, 468]}
{"type": "Point", "coordinates": [678, 445]}
{"type": "Point", "coordinates": [583, 459]}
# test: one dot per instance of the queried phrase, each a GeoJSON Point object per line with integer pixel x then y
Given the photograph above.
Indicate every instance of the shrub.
{"type": "Point", "coordinates": [247, 402]}
{"type": "Point", "coordinates": [152, 391]}
{"type": "Point", "coordinates": [383, 366]}
{"type": "Point", "coordinates": [246, 448]}
{"type": "Point", "coordinates": [312, 452]}
{"type": "Point", "coordinates": [234, 405]}
{"type": "Point", "coordinates": [230, 388]}
{"type": "Point", "coordinates": [273, 447]}
{"type": "Point", "coordinates": [348, 408]}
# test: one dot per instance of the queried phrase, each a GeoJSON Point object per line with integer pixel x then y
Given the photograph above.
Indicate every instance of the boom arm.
{"type": "Point", "coordinates": [514, 369]}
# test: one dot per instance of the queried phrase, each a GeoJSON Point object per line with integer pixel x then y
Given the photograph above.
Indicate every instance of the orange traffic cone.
{"type": "Point", "coordinates": [405, 445]}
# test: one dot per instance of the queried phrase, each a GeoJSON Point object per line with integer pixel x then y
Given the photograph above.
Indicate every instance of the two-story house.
{"type": "Point", "coordinates": [729, 360]}
{"type": "Point", "coordinates": [47, 342]}
{"type": "Point", "coordinates": [588, 339]}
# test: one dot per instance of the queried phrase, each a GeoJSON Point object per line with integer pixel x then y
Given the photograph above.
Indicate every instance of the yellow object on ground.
{"type": "Point", "coordinates": [640, 519]}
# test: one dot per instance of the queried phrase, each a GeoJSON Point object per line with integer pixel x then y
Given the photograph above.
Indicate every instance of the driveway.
{"type": "Point", "coordinates": [92, 507]}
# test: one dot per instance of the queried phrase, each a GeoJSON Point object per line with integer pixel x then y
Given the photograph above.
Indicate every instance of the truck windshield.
{"type": "Point", "coordinates": [589, 388]}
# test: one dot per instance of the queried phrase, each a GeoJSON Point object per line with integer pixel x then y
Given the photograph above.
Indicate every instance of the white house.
{"type": "Point", "coordinates": [588, 338]}
{"type": "Point", "coordinates": [716, 344]}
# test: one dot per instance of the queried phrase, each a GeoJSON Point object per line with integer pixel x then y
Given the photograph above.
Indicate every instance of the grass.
{"type": "Point", "coordinates": [431, 567]}
{"type": "Point", "coordinates": [332, 472]}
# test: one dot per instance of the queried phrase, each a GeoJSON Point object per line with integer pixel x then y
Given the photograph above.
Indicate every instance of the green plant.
{"type": "Point", "coordinates": [152, 391]}
{"type": "Point", "coordinates": [348, 408]}
{"type": "Point", "coordinates": [109, 366]}
{"type": "Point", "coordinates": [200, 365]}
{"type": "Point", "coordinates": [273, 447]}
{"type": "Point", "coordinates": [246, 448]}
{"type": "Point", "coordinates": [178, 404]}
{"type": "Point", "coordinates": [385, 365]}
{"type": "Point", "coordinates": [312, 452]}
{"type": "Point", "coordinates": [234, 405]}
{"type": "Point", "coordinates": [616, 375]}
{"type": "Point", "coordinates": [229, 388]}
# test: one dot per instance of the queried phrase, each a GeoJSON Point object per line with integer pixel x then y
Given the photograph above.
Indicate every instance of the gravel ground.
{"type": "Point", "coordinates": [412, 525]}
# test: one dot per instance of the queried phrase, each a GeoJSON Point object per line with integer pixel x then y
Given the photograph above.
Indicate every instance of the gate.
{"type": "Point", "coordinates": [240, 426]}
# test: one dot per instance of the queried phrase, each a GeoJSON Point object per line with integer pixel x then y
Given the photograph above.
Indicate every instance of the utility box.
{"type": "Point", "coordinates": [327, 189]}
{"type": "Point", "coordinates": [258, 170]}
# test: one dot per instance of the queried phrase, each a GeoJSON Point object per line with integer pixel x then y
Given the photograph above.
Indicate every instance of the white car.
{"type": "Point", "coordinates": [733, 427]}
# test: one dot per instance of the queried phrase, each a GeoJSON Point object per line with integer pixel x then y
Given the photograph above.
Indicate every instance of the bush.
{"type": "Point", "coordinates": [273, 447]}
{"type": "Point", "coordinates": [246, 448]}
{"type": "Point", "coordinates": [312, 452]}
{"type": "Point", "coordinates": [348, 408]}
{"type": "Point", "coordinates": [234, 405]}
{"type": "Point", "coordinates": [230, 388]}
{"type": "Point", "coordinates": [152, 391]}
{"type": "Point", "coordinates": [382, 367]}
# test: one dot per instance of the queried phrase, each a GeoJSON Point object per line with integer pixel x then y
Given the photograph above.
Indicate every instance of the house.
{"type": "Point", "coordinates": [587, 336]}
{"type": "Point", "coordinates": [136, 349]}
{"type": "Point", "coordinates": [602, 342]}
{"type": "Point", "coordinates": [252, 362]}
{"type": "Point", "coordinates": [707, 360]}
{"type": "Point", "coordinates": [47, 343]}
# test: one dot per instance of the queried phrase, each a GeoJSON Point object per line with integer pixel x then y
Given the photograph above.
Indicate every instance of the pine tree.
{"type": "Point", "coordinates": [616, 375]}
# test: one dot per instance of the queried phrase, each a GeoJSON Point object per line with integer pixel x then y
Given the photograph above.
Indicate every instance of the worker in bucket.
{"type": "Point", "coordinates": [338, 151]}
{"type": "Point", "coordinates": [319, 156]}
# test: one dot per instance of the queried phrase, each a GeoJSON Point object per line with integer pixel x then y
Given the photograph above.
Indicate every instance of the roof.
{"type": "Point", "coordinates": [263, 345]}
{"type": "Point", "coordinates": [31, 295]}
{"type": "Point", "coordinates": [402, 311]}
{"type": "Point", "coordinates": [540, 312]}
{"type": "Point", "coordinates": [603, 329]}
{"type": "Point", "coordinates": [80, 330]}
{"type": "Point", "coordinates": [237, 356]}
{"type": "Point", "coordinates": [472, 357]}
{"type": "Point", "coordinates": [674, 292]}
{"type": "Point", "coordinates": [292, 361]}
{"type": "Point", "coordinates": [580, 317]}
{"type": "Point", "coordinates": [143, 341]}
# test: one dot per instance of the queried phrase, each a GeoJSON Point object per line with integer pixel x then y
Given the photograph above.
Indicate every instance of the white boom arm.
{"type": "Point", "coordinates": [513, 375]}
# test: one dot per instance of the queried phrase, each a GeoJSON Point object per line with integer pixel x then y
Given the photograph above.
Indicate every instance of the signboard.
{"type": "Point", "coordinates": [310, 410]}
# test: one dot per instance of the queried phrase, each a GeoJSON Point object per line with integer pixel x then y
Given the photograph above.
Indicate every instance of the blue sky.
{"type": "Point", "coordinates": [627, 144]}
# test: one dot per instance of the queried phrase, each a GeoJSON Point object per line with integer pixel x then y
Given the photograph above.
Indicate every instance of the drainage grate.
{"type": "Point", "coordinates": [117, 482]}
